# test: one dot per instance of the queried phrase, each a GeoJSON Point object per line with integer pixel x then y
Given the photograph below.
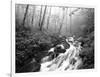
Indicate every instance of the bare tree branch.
{"type": "Point", "coordinates": [74, 11]}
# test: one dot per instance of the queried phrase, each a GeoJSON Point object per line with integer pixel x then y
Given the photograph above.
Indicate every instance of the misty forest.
{"type": "Point", "coordinates": [53, 38]}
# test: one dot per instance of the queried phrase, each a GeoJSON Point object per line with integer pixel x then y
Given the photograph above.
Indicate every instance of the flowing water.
{"type": "Point", "coordinates": [69, 60]}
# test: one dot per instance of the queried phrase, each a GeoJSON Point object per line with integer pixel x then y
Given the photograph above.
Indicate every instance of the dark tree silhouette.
{"type": "Point", "coordinates": [26, 11]}
{"type": "Point", "coordinates": [42, 21]}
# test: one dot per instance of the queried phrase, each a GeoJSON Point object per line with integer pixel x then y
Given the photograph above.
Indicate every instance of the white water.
{"type": "Point", "coordinates": [65, 61]}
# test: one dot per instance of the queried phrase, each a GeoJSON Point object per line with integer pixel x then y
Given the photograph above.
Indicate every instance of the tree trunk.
{"type": "Point", "coordinates": [42, 22]}
{"type": "Point", "coordinates": [66, 18]}
{"type": "Point", "coordinates": [48, 18]}
{"type": "Point", "coordinates": [70, 21]}
{"type": "Point", "coordinates": [40, 16]}
{"type": "Point", "coordinates": [62, 21]}
{"type": "Point", "coordinates": [32, 22]}
{"type": "Point", "coordinates": [26, 11]}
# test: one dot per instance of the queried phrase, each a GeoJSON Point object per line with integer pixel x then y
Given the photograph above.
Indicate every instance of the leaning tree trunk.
{"type": "Point", "coordinates": [26, 11]}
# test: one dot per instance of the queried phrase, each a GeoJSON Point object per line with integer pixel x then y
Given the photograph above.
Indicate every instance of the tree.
{"type": "Point", "coordinates": [48, 18]}
{"type": "Point", "coordinates": [70, 21]}
{"type": "Point", "coordinates": [66, 18]}
{"type": "Point", "coordinates": [26, 11]}
{"type": "Point", "coordinates": [61, 24]}
{"type": "Point", "coordinates": [33, 15]}
{"type": "Point", "coordinates": [40, 16]}
{"type": "Point", "coordinates": [42, 22]}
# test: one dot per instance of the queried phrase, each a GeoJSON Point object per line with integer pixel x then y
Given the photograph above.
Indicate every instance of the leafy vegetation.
{"type": "Point", "coordinates": [87, 53]}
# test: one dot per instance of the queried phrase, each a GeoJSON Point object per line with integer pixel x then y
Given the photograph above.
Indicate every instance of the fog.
{"type": "Point", "coordinates": [73, 22]}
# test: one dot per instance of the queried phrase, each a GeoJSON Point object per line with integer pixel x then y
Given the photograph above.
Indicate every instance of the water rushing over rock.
{"type": "Point", "coordinates": [69, 60]}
